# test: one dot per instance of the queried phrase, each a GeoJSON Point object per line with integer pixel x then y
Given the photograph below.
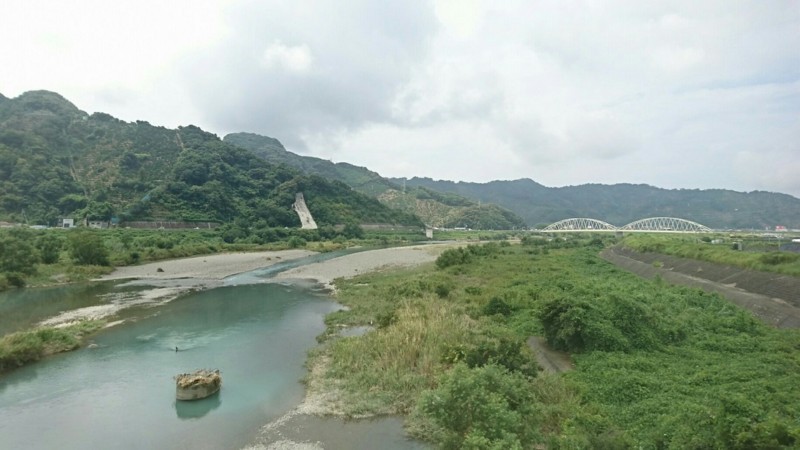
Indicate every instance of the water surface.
{"type": "Point", "coordinates": [120, 394]}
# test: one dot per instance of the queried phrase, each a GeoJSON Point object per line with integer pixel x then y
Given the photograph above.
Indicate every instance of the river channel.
{"type": "Point", "coordinates": [119, 392]}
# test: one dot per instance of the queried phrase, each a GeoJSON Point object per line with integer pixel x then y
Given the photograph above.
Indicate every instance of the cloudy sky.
{"type": "Point", "coordinates": [677, 94]}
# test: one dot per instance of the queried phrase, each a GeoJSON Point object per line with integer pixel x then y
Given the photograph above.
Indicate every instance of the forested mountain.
{"type": "Point", "coordinates": [434, 208]}
{"type": "Point", "coordinates": [620, 204]}
{"type": "Point", "coordinates": [58, 161]}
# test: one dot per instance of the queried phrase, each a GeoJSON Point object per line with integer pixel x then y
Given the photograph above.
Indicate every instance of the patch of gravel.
{"type": "Point", "coordinates": [355, 264]}
{"type": "Point", "coordinates": [208, 267]}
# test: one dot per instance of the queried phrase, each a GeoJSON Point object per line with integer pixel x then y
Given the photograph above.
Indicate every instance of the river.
{"type": "Point", "coordinates": [118, 393]}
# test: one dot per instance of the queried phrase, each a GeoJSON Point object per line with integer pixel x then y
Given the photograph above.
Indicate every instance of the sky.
{"type": "Point", "coordinates": [676, 94]}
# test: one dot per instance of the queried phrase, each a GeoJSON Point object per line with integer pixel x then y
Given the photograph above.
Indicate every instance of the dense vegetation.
{"type": "Point", "coordinates": [18, 349]}
{"type": "Point", "coordinates": [724, 252]}
{"type": "Point", "coordinates": [621, 204]}
{"type": "Point", "coordinates": [57, 161]}
{"type": "Point", "coordinates": [656, 366]}
{"type": "Point", "coordinates": [40, 257]}
{"type": "Point", "coordinates": [436, 209]}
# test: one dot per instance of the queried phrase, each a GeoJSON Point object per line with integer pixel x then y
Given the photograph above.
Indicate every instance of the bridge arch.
{"type": "Point", "coordinates": [580, 224]}
{"type": "Point", "coordinates": [666, 224]}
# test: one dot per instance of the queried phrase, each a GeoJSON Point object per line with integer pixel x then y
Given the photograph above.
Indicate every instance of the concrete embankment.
{"type": "Point", "coordinates": [773, 298]}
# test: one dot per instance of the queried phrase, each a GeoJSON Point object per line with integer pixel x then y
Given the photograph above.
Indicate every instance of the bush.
{"type": "Point", "coordinates": [16, 254]}
{"type": "Point", "coordinates": [775, 258]}
{"type": "Point", "coordinates": [353, 231]}
{"type": "Point", "coordinates": [15, 279]}
{"type": "Point", "coordinates": [496, 306]}
{"type": "Point", "coordinates": [49, 246]}
{"type": "Point", "coordinates": [88, 249]}
{"type": "Point", "coordinates": [608, 323]}
{"type": "Point", "coordinates": [482, 407]}
{"type": "Point", "coordinates": [296, 242]}
{"type": "Point", "coordinates": [452, 257]}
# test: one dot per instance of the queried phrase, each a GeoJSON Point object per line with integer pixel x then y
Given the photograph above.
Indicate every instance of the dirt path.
{"type": "Point", "coordinates": [549, 360]}
{"type": "Point", "coordinates": [776, 304]}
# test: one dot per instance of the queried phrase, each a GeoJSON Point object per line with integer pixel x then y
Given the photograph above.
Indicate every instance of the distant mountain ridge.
{"type": "Point", "coordinates": [620, 204]}
{"type": "Point", "coordinates": [58, 161]}
{"type": "Point", "coordinates": [434, 208]}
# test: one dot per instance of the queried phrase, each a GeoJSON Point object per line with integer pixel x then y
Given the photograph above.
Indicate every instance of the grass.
{"type": "Point", "coordinates": [25, 347]}
{"type": "Point", "coordinates": [766, 258]}
{"type": "Point", "coordinates": [709, 376]}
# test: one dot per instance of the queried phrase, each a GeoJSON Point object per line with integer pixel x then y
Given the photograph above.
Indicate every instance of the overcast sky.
{"type": "Point", "coordinates": [676, 94]}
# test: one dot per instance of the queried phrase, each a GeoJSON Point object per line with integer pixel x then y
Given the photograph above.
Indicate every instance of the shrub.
{"type": "Point", "coordinates": [775, 258]}
{"type": "Point", "coordinates": [482, 407]}
{"type": "Point", "coordinates": [607, 323]}
{"type": "Point", "coordinates": [49, 246]}
{"type": "Point", "coordinates": [496, 306]}
{"type": "Point", "coordinates": [15, 279]}
{"type": "Point", "coordinates": [452, 257]}
{"type": "Point", "coordinates": [442, 290]}
{"type": "Point", "coordinates": [16, 254]}
{"type": "Point", "coordinates": [296, 242]}
{"type": "Point", "coordinates": [88, 249]}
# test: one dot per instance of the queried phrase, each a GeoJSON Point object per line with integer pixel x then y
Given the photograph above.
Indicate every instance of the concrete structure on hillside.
{"type": "Point", "coordinates": [299, 206]}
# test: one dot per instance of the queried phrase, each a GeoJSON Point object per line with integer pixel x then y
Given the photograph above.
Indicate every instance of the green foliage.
{"type": "Point", "coordinates": [17, 255]}
{"type": "Point", "coordinates": [88, 248]}
{"type": "Point", "coordinates": [483, 407]}
{"type": "Point", "coordinates": [496, 306]}
{"type": "Point", "coordinates": [434, 208]}
{"type": "Point", "coordinates": [353, 231]}
{"type": "Point", "coordinates": [776, 258]}
{"type": "Point", "coordinates": [18, 349]}
{"type": "Point", "coordinates": [621, 204]}
{"type": "Point", "coordinates": [658, 367]}
{"type": "Point", "coordinates": [607, 320]}
{"type": "Point", "coordinates": [452, 257]}
{"type": "Point", "coordinates": [58, 162]}
{"type": "Point", "coordinates": [49, 246]}
{"type": "Point", "coordinates": [762, 258]}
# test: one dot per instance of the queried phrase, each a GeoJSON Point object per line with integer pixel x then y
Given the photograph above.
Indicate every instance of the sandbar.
{"type": "Point", "coordinates": [207, 267]}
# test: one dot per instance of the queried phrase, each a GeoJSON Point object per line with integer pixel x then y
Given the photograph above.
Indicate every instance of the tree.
{"type": "Point", "coordinates": [88, 249]}
{"type": "Point", "coordinates": [16, 254]}
{"type": "Point", "coordinates": [483, 407]}
{"type": "Point", "coordinates": [353, 231]}
{"type": "Point", "coordinates": [49, 246]}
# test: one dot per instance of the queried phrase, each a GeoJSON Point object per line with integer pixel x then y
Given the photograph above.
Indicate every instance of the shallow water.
{"type": "Point", "coordinates": [22, 308]}
{"type": "Point", "coordinates": [120, 395]}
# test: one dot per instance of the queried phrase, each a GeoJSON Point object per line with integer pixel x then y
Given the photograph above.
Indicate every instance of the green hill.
{"type": "Point", "coordinates": [58, 161]}
{"type": "Point", "coordinates": [620, 204]}
{"type": "Point", "coordinates": [436, 209]}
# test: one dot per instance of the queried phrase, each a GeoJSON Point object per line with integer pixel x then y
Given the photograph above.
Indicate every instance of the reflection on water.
{"type": "Point", "coordinates": [195, 409]}
{"type": "Point", "coordinates": [21, 308]}
{"type": "Point", "coordinates": [121, 393]}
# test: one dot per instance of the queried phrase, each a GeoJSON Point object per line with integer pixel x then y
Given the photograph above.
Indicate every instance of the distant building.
{"type": "Point", "coordinates": [780, 228]}
{"type": "Point", "coordinates": [67, 223]}
{"type": "Point", "coordinates": [97, 224]}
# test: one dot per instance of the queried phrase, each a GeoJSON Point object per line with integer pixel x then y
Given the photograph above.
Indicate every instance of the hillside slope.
{"type": "Point", "coordinates": [620, 204]}
{"type": "Point", "coordinates": [436, 209]}
{"type": "Point", "coordinates": [58, 161]}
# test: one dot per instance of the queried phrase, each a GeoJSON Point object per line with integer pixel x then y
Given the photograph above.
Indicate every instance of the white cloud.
{"type": "Point", "coordinates": [297, 59]}
{"type": "Point", "coordinates": [676, 59]}
{"type": "Point", "coordinates": [677, 93]}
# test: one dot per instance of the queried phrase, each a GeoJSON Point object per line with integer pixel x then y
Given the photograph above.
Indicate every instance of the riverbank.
{"type": "Point", "coordinates": [207, 267]}
{"type": "Point", "coordinates": [169, 279]}
{"type": "Point", "coordinates": [349, 266]}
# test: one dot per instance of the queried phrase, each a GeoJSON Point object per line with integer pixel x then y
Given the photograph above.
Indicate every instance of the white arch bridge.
{"type": "Point", "coordinates": [649, 225]}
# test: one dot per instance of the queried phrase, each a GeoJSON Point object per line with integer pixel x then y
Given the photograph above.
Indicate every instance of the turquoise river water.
{"type": "Point", "coordinates": [120, 394]}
